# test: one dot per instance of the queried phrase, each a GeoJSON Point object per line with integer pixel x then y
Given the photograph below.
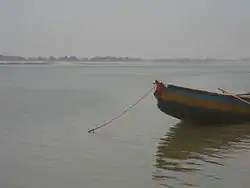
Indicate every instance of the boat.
{"type": "Point", "coordinates": [194, 105]}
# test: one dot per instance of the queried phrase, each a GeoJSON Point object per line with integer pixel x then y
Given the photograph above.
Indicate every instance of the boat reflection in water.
{"type": "Point", "coordinates": [189, 153]}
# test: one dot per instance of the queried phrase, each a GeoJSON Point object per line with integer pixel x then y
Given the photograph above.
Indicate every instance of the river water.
{"type": "Point", "coordinates": [46, 111]}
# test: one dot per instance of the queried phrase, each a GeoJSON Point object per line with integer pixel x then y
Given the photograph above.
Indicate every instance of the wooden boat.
{"type": "Point", "coordinates": [195, 105]}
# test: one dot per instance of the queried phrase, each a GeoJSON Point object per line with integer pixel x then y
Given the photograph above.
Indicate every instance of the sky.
{"type": "Point", "coordinates": [135, 28]}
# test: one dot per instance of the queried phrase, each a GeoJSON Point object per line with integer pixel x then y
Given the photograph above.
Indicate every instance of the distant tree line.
{"type": "Point", "coordinates": [67, 58]}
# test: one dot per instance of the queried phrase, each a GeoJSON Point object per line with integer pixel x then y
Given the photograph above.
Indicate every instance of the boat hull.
{"type": "Point", "coordinates": [201, 106]}
{"type": "Point", "coordinates": [194, 114]}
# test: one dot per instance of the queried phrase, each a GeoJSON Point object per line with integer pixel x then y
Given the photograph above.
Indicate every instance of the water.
{"type": "Point", "coordinates": [46, 111]}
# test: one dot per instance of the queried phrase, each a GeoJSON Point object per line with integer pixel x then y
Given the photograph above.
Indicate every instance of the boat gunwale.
{"type": "Point", "coordinates": [194, 90]}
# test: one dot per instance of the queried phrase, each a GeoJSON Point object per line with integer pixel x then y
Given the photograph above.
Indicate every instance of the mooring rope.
{"type": "Point", "coordinates": [125, 111]}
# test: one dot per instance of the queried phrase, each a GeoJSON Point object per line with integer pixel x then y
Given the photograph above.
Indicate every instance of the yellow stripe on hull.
{"type": "Point", "coordinates": [202, 103]}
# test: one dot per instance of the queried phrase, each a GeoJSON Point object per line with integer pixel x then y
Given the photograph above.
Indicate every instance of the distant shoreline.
{"type": "Point", "coordinates": [67, 58]}
{"type": "Point", "coordinates": [46, 60]}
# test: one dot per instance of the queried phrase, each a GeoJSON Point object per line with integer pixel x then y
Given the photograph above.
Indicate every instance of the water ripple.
{"type": "Point", "coordinates": [188, 150]}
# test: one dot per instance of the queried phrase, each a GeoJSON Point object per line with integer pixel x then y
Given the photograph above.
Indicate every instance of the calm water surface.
{"type": "Point", "coordinates": [46, 111]}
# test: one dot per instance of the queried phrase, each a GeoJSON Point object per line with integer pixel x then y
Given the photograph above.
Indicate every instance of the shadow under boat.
{"type": "Point", "coordinates": [189, 147]}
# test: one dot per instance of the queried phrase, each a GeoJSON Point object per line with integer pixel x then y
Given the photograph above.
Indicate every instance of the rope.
{"type": "Point", "coordinates": [124, 112]}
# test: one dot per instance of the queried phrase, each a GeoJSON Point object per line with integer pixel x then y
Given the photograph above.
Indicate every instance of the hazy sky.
{"type": "Point", "coordinates": [145, 28]}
